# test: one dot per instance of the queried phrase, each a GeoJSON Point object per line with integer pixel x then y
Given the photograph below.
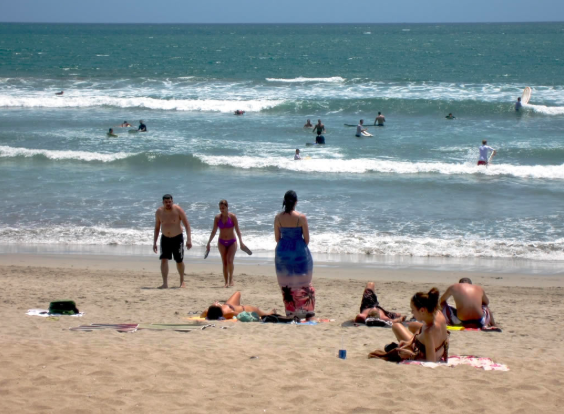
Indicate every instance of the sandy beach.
{"type": "Point", "coordinates": [253, 367]}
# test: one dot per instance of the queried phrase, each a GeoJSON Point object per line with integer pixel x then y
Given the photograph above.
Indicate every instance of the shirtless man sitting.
{"type": "Point", "coordinates": [167, 220]}
{"type": "Point", "coordinates": [471, 306]}
{"type": "Point", "coordinates": [370, 308]}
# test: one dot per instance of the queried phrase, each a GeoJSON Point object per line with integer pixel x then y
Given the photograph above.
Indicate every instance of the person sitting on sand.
{"type": "Point", "coordinates": [232, 307]}
{"type": "Point", "coordinates": [426, 340]}
{"type": "Point", "coordinates": [111, 133]}
{"type": "Point", "coordinates": [471, 305]}
{"type": "Point", "coordinates": [308, 124]}
{"type": "Point", "coordinates": [125, 124]}
{"type": "Point", "coordinates": [370, 308]}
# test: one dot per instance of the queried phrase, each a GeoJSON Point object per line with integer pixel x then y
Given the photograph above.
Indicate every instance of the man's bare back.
{"type": "Point", "coordinates": [469, 300]}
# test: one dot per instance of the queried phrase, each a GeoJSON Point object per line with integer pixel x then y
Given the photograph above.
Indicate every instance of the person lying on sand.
{"type": "Point", "coordinates": [426, 340]}
{"type": "Point", "coordinates": [471, 305]}
{"type": "Point", "coordinates": [232, 307]}
{"type": "Point", "coordinates": [369, 308]}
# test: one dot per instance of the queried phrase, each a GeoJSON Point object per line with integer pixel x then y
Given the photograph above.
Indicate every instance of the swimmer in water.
{"type": "Point", "coordinates": [450, 116]}
{"type": "Point", "coordinates": [60, 93]}
{"type": "Point", "coordinates": [125, 124]}
{"type": "Point", "coordinates": [380, 119]}
{"type": "Point", "coordinates": [297, 155]}
{"type": "Point", "coordinates": [518, 105]}
{"type": "Point", "coordinates": [142, 126]}
{"type": "Point", "coordinates": [238, 112]}
{"type": "Point", "coordinates": [111, 133]}
{"type": "Point", "coordinates": [308, 124]}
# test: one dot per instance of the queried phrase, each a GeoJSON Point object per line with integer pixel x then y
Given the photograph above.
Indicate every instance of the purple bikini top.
{"type": "Point", "coordinates": [227, 225]}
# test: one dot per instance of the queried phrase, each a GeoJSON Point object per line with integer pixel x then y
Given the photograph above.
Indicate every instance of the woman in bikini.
{"type": "Point", "coordinates": [232, 307]}
{"type": "Point", "coordinates": [227, 243]}
{"type": "Point", "coordinates": [425, 340]}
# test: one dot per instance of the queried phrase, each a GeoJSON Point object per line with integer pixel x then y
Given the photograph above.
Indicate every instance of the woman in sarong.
{"type": "Point", "coordinates": [294, 265]}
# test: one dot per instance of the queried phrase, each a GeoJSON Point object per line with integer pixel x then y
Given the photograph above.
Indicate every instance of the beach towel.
{"type": "Point", "coordinates": [120, 327]}
{"type": "Point", "coordinates": [248, 317]}
{"type": "Point", "coordinates": [483, 363]}
{"type": "Point", "coordinates": [44, 313]}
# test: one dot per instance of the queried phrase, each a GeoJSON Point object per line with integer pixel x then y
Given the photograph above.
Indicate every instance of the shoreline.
{"type": "Point", "coordinates": [341, 271]}
{"type": "Point", "coordinates": [500, 266]}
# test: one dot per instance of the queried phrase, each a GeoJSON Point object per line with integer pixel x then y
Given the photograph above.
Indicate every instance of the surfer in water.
{"type": "Point", "coordinates": [450, 116]}
{"type": "Point", "coordinates": [142, 126]}
{"type": "Point", "coordinates": [297, 156]}
{"type": "Point", "coordinates": [125, 124]}
{"type": "Point", "coordinates": [308, 124]}
{"type": "Point", "coordinates": [380, 119]}
{"type": "Point", "coordinates": [111, 133]}
{"type": "Point", "coordinates": [485, 153]}
{"type": "Point", "coordinates": [238, 112]}
{"type": "Point", "coordinates": [359, 129]}
{"type": "Point", "coordinates": [320, 128]}
{"type": "Point", "coordinates": [518, 105]}
{"type": "Point", "coordinates": [60, 93]}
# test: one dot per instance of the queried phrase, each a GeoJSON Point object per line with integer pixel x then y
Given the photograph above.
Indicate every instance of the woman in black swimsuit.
{"type": "Point", "coordinates": [427, 339]}
{"type": "Point", "coordinates": [231, 308]}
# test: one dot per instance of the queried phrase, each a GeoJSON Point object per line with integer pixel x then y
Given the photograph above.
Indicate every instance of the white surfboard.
{"type": "Point", "coordinates": [526, 96]}
{"type": "Point", "coordinates": [366, 134]}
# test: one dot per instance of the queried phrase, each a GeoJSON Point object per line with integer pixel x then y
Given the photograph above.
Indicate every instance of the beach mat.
{"type": "Point", "coordinates": [177, 327]}
{"type": "Point", "coordinates": [120, 327]}
{"type": "Point", "coordinates": [453, 361]}
{"type": "Point", "coordinates": [44, 313]}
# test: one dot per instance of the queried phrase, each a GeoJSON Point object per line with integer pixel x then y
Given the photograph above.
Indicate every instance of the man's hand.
{"type": "Point", "coordinates": [154, 247]}
{"type": "Point", "coordinates": [188, 244]}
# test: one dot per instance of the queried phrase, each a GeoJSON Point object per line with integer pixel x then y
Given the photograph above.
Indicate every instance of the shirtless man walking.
{"type": "Point", "coordinates": [471, 305]}
{"type": "Point", "coordinates": [167, 220]}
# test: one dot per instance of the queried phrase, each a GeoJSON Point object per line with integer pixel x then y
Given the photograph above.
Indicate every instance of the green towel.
{"type": "Point", "coordinates": [248, 317]}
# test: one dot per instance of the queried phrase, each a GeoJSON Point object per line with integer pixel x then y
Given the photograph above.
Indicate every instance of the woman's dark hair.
{"type": "Point", "coordinates": [290, 200]}
{"type": "Point", "coordinates": [214, 312]}
{"type": "Point", "coordinates": [429, 300]}
{"type": "Point", "coordinates": [224, 202]}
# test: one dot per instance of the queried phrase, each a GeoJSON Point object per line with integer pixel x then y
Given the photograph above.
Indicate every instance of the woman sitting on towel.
{"type": "Point", "coordinates": [426, 340]}
{"type": "Point", "coordinates": [231, 308]}
{"type": "Point", "coordinates": [370, 308]}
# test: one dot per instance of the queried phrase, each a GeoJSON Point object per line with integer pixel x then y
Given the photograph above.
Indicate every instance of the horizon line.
{"type": "Point", "coordinates": [284, 23]}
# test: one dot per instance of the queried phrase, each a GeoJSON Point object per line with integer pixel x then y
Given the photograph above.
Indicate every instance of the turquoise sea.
{"type": "Point", "coordinates": [411, 192]}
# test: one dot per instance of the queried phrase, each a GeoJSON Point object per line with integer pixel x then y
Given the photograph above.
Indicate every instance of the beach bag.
{"type": "Point", "coordinates": [274, 318]}
{"type": "Point", "coordinates": [63, 307]}
{"type": "Point", "coordinates": [378, 322]}
{"type": "Point", "coordinates": [248, 317]}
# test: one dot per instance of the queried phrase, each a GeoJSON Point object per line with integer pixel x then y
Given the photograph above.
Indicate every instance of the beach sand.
{"type": "Point", "coordinates": [253, 367]}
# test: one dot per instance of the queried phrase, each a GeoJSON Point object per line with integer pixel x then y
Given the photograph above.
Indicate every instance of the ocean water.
{"type": "Point", "coordinates": [411, 191]}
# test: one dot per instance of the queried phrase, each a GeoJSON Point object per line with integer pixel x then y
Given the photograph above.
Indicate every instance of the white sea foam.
{"type": "Point", "coordinates": [11, 152]}
{"type": "Point", "coordinates": [333, 242]}
{"type": "Point", "coordinates": [333, 79]}
{"type": "Point", "coordinates": [211, 105]}
{"type": "Point", "coordinates": [547, 110]}
{"type": "Point", "coordinates": [363, 165]}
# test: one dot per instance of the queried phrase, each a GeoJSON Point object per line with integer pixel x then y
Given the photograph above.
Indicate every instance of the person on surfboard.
{"type": "Point", "coordinates": [142, 126]}
{"type": "Point", "coordinates": [485, 153]}
{"type": "Point", "coordinates": [450, 116]}
{"type": "Point", "coordinates": [359, 129]}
